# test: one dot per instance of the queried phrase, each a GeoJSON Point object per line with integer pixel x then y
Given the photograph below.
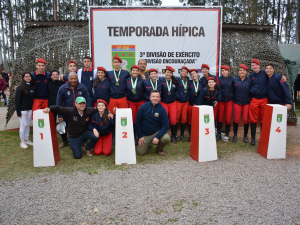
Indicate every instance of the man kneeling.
{"type": "Point", "coordinates": [78, 119]}
{"type": "Point", "coordinates": [152, 125]}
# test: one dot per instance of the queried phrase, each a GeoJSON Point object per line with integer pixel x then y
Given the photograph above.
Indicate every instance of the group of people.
{"type": "Point", "coordinates": [155, 102]}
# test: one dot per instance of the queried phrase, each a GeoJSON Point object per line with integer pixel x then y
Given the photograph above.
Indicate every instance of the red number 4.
{"type": "Point", "coordinates": [207, 131]}
{"type": "Point", "coordinates": [124, 134]}
{"type": "Point", "coordinates": [278, 130]}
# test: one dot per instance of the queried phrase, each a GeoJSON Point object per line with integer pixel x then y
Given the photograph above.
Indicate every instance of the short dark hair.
{"type": "Point", "coordinates": [87, 57]}
{"type": "Point", "coordinates": [55, 70]}
{"type": "Point", "coordinates": [2, 69]}
{"type": "Point", "coordinates": [270, 64]}
{"type": "Point", "coordinates": [154, 91]}
{"type": "Point", "coordinates": [142, 59]}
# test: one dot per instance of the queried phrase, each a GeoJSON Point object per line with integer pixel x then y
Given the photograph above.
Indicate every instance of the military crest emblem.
{"type": "Point", "coordinates": [156, 114]}
{"type": "Point", "coordinates": [124, 121]}
{"type": "Point", "coordinates": [279, 118]}
{"type": "Point", "coordinates": [206, 118]}
{"type": "Point", "coordinates": [41, 123]}
{"type": "Point", "coordinates": [126, 53]}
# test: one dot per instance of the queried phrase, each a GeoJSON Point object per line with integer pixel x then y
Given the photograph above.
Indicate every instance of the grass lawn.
{"type": "Point", "coordinates": [18, 163]}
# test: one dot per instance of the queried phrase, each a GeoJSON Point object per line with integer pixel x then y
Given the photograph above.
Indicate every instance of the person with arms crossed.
{"type": "Point", "coordinates": [152, 125]}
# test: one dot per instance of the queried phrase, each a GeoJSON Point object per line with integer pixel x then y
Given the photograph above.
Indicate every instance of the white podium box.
{"type": "Point", "coordinates": [203, 140]}
{"type": "Point", "coordinates": [272, 143]}
{"type": "Point", "coordinates": [45, 146]}
{"type": "Point", "coordinates": [124, 143]}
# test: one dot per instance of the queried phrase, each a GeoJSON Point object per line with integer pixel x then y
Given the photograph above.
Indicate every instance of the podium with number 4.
{"type": "Point", "coordinates": [272, 143]}
{"type": "Point", "coordinates": [45, 146]}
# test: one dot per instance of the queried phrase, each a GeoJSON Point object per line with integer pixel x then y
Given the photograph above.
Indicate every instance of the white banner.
{"type": "Point", "coordinates": [163, 36]}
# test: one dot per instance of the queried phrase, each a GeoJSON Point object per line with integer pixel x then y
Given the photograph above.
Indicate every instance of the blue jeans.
{"type": "Point", "coordinates": [76, 143]}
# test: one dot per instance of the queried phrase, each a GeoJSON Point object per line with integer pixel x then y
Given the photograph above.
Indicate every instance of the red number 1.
{"type": "Point", "coordinates": [207, 131]}
{"type": "Point", "coordinates": [42, 136]}
{"type": "Point", "coordinates": [124, 134]}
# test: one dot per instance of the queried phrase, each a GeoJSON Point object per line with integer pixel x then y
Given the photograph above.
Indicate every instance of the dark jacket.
{"type": "Point", "coordinates": [2, 84]}
{"type": "Point", "coordinates": [182, 96]}
{"type": "Point", "coordinates": [241, 91]}
{"type": "Point", "coordinates": [148, 88]}
{"type": "Point", "coordinates": [6, 77]}
{"type": "Point", "coordinates": [97, 122]}
{"type": "Point", "coordinates": [140, 93]}
{"type": "Point", "coordinates": [53, 87]}
{"type": "Point", "coordinates": [77, 124]}
{"type": "Point", "coordinates": [192, 97]}
{"type": "Point", "coordinates": [208, 99]}
{"type": "Point", "coordinates": [23, 102]}
{"type": "Point", "coordinates": [41, 84]}
{"type": "Point", "coordinates": [66, 96]}
{"type": "Point", "coordinates": [259, 85]}
{"type": "Point", "coordinates": [165, 98]}
{"type": "Point", "coordinates": [118, 91]}
{"type": "Point", "coordinates": [147, 75]}
{"type": "Point", "coordinates": [102, 91]}
{"type": "Point", "coordinates": [278, 90]}
{"type": "Point", "coordinates": [226, 84]}
{"type": "Point", "coordinates": [151, 119]}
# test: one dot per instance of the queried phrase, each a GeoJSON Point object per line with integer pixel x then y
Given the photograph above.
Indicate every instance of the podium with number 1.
{"type": "Point", "coordinates": [45, 146]}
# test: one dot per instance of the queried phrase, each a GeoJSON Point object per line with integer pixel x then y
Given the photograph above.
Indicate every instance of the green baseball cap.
{"type": "Point", "coordinates": [80, 99]}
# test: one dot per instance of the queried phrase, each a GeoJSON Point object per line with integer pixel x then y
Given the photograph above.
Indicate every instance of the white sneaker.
{"type": "Point", "coordinates": [23, 145]}
{"type": "Point", "coordinates": [29, 143]}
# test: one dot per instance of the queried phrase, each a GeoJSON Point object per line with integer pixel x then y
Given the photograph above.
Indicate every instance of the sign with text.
{"type": "Point", "coordinates": [162, 36]}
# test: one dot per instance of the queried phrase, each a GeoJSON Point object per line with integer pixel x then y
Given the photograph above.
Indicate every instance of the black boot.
{"type": "Point", "coordinates": [176, 136]}
{"type": "Point", "coordinates": [227, 130]}
{"type": "Point", "coordinates": [253, 133]}
{"type": "Point", "coordinates": [261, 126]}
{"type": "Point", "coordinates": [182, 132]}
{"type": "Point", "coordinates": [173, 132]}
{"type": "Point", "coordinates": [219, 127]}
{"type": "Point", "coordinates": [235, 129]}
{"type": "Point", "coordinates": [246, 128]}
{"type": "Point", "coordinates": [64, 138]}
{"type": "Point", "coordinates": [190, 129]}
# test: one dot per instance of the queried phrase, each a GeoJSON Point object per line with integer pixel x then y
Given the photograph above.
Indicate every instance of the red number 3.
{"type": "Point", "coordinates": [207, 131]}
{"type": "Point", "coordinates": [124, 134]}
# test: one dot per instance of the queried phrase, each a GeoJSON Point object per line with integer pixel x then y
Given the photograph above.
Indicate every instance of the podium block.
{"type": "Point", "coordinates": [124, 143]}
{"type": "Point", "coordinates": [203, 140]}
{"type": "Point", "coordinates": [272, 143]}
{"type": "Point", "coordinates": [45, 146]}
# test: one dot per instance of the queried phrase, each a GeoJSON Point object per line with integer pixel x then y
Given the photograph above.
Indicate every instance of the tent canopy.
{"type": "Point", "coordinates": [291, 55]}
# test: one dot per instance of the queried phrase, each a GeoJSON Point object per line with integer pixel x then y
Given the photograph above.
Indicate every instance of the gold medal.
{"type": "Point", "coordinates": [117, 83]}
{"type": "Point", "coordinates": [196, 94]}
{"type": "Point", "coordinates": [169, 92]}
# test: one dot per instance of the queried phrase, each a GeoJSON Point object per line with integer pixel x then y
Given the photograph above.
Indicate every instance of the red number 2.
{"type": "Point", "coordinates": [124, 134]}
{"type": "Point", "coordinates": [207, 131]}
{"type": "Point", "coordinates": [42, 136]}
{"type": "Point", "coordinates": [278, 130]}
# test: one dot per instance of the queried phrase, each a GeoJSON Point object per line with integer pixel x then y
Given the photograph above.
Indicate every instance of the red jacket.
{"type": "Point", "coordinates": [2, 84]}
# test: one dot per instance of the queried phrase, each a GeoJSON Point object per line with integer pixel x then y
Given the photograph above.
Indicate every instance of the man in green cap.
{"type": "Point", "coordinates": [78, 118]}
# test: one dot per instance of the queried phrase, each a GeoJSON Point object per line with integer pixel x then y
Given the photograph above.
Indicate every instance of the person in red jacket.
{"type": "Point", "coordinates": [2, 88]}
